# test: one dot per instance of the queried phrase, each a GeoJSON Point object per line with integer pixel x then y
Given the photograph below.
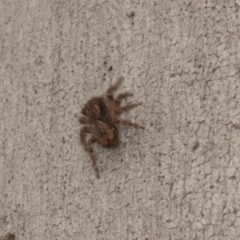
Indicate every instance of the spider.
{"type": "Point", "coordinates": [101, 119]}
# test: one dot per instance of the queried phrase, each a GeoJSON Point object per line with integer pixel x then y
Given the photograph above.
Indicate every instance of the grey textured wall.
{"type": "Point", "coordinates": [177, 179]}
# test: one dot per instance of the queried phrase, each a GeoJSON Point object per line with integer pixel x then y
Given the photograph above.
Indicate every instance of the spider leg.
{"type": "Point", "coordinates": [114, 87]}
{"type": "Point", "coordinates": [128, 123]}
{"type": "Point", "coordinates": [92, 154]}
{"type": "Point", "coordinates": [88, 146]}
{"type": "Point", "coordinates": [83, 132]}
{"type": "Point", "coordinates": [129, 106]}
{"type": "Point", "coordinates": [121, 96]}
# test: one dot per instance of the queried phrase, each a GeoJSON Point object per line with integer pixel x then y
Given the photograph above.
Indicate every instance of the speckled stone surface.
{"type": "Point", "coordinates": [177, 179]}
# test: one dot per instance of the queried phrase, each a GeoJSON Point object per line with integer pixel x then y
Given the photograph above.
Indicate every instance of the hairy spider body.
{"type": "Point", "coordinates": [101, 117]}
{"type": "Point", "coordinates": [96, 109]}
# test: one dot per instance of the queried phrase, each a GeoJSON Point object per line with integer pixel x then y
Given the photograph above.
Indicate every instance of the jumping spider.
{"type": "Point", "coordinates": [101, 116]}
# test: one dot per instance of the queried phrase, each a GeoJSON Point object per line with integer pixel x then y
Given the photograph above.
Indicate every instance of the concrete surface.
{"type": "Point", "coordinates": [179, 178]}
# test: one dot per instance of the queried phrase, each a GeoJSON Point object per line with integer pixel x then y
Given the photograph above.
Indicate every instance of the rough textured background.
{"type": "Point", "coordinates": [177, 179]}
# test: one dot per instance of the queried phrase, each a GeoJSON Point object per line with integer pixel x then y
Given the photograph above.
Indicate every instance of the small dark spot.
{"type": "Point", "coordinates": [199, 66]}
{"type": "Point", "coordinates": [236, 7]}
{"type": "Point", "coordinates": [131, 14]}
{"type": "Point", "coordinates": [211, 187]}
{"type": "Point", "coordinates": [8, 20]}
{"type": "Point", "coordinates": [214, 70]}
{"type": "Point", "coordinates": [6, 100]}
{"type": "Point", "coordinates": [160, 177]}
{"type": "Point", "coordinates": [39, 60]}
{"type": "Point", "coordinates": [232, 177]}
{"type": "Point", "coordinates": [105, 63]}
{"type": "Point", "coordinates": [63, 140]}
{"type": "Point", "coordinates": [110, 69]}
{"type": "Point", "coordinates": [195, 146]}
{"type": "Point", "coordinates": [236, 126]}
{"type": "Point", "coordinates": [35, 91]}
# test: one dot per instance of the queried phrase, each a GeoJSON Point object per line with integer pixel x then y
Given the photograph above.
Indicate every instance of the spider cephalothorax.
{"type": "Point", "coordinates": [101, 119]}
{"type": "Point", "coordinates": [95, 109]}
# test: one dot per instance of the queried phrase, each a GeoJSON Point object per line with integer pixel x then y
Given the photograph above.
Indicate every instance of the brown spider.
{"type": "Point", "coordinates": [101, 116]}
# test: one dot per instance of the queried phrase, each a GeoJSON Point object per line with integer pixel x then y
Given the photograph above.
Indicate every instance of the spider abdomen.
{"type": "Point", "coordinates": [108, 135]}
